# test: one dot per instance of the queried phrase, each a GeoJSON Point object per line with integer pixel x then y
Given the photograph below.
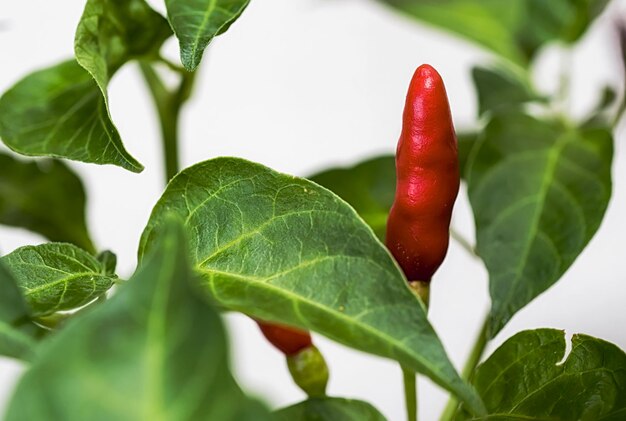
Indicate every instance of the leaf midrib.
{"type": "Point", "coordinates": [154, 350]}
{"type": "Point", "coordinates": [294, 298]}
{"type": "Point", "coordinates": [554, 379]}
{"type": "Point", "coordinates": [66, 280]}
{"type": "Point", "coordinates": [202, 28]}
{"type": "Point", "coordinates": [515, 361]}
{"type": "Point", "coordinates": [551, 165]}
{"type": "Point", "coordinates": [259, 230]}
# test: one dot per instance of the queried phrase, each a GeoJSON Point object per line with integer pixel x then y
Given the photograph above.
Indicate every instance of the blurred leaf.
{"type": "Point", "coordinates": [514, 29]}
{"type": "Point", "coordinates": [111, 32]}
{"type": "Point", "coordinates": [330, 409]}
{"type": "Point", "coordinates": [499, 89]}
{"type": "Point", "coordinates": [17, 332]}
{"type": "Point", "coordinates": [108, 260]}
{"type": "Point", "coordinates": [370, 186]}
{"type": "Point", "coordinates": [602, 113]}
{"type": "Point", "coordinates": [525, 379]}
{"type": "Point", "coordinates": [60, 112]}
{"type": "Point", "coordinates": [539, 190]}
{"type": "Point", "coordinates": [466, 142]}
{"type": "Point", "coordinates": [607, 98]}
{"type": "Point", "coordinates": [57, 276]}
{"type": "Point", "coordinates": [283, 249]}
{"type": "Point", "coordinates": [197, 22]}
{"type": "Point", "coordinates": [621, 33]}
{"type": "Point", "coordinates": [45, 197]}
{"type": "Point", "coordinates": [138, 356]}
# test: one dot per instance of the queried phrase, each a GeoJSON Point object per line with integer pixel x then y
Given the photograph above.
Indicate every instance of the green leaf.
{"type": "Point", "coordinates": [500, 89]}
{"type": "Point", "coordinates": [539, 190]}
{"type": "Point", "coordinates": [108, 259]}
{"type": "Point", "coordinates": [138, 356]}
{"type": "Point", "coordinates": [526, 379]}
{"type": "Point", "coordinates": [466, 142]}
{"type": "Point", "coordinates": [284, 249]}
{"type": "Point", "coordinates": [45, 197]}
{"type": "Point", "coordinates": [112, 32]}
{"type": "Point", "coordinates": [17, 332]}
{"type": "Point", "coordinates": [57, 276]}
{"type": "Point", "coordinates": [514, 29]}
{"type": "Point", "coordinates": [197, 22]}
{"type": "Point", "coordinates": [370, 186]}
{"type": "Point", "coordinates": [330, 409]}
{"type": "Point", "coordinates": [60, 112]}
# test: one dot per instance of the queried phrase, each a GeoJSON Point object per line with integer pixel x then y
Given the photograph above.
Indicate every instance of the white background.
{"type": "Point", "coordinates": [300, 85]}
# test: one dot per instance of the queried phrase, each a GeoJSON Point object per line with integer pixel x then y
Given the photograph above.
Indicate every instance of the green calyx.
{"type": "Point", "coordinates": [309, 371]}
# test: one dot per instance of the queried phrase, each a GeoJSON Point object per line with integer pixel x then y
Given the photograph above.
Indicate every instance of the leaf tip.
{"type": "Point", "coordinates": [189, 60]}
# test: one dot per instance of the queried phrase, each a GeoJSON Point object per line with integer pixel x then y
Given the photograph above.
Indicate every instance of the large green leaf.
{"type": "Point", "coordinates": [370, 186]}
{"type": "Point", "coordinates": [111, 32]}
{"type": "Point", "coordinates": [284, 249]}
{"type": "Point", "coordinates": [60, 112]}
{"type": "Point", "coordinates": [155, 351]}
{"type": "Point", "coordinates": [514, 29]}
{"type": "Point", "coordinates": [45, 197]}
{"type": "Point", "coordinates": [197, 22]}
{"type": "Point", "coordinates": [330, 409]}
{"type": "Point", "coordinates": [499, 89]}
{"type": "Point", "coordinates": [539, 190]}
{"type": "Point", "coordinates": [526, 379]}
{"type": "Point", "coordinates": [58, 276]}
{"type": "Point", "coordinates": [17, 332]}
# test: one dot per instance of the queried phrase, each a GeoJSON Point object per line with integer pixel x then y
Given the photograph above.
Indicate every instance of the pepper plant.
{"type": "Point", "coordinates": [296, 254]}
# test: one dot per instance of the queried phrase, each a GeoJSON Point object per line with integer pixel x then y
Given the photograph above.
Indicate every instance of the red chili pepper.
{"type": "Point", "coordinates": [287, 339]}
{"type": "Point", "coordinates": [427, 179]}
{"type": "Point", "coordinates": [305, 362]}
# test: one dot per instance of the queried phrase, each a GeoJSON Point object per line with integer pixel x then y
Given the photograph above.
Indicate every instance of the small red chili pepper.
{"type": "Point", "coordinates": [427, 179]}
{"type": "Point", "coordinates": [305, 362]}
{"type": "Point", "coordinates": [287, 339]}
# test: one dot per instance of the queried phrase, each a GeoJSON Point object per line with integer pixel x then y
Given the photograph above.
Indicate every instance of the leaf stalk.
{"type": "Point", "coordinates": [410, 393]}
{"type": "Point", "coordinates": [168, 105]}
{"type": "Point", "coordinates": [470, 367]}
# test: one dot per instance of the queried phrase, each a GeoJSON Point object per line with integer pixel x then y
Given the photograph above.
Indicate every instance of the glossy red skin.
{"type": "Point", "coordinates": [427, 179]}
{"type": "Point", "coordinates": [287, 339]}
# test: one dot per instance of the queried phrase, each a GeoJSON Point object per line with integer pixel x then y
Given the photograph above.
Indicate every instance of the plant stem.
{"type": "Point", "coordinates": [410, 394]}
{"type": "Point", "coordinates": [477, 352]}
{"type": "Point", "coordinates": [463, 242]}
{"type": "Point", "coordinates": [168, 105]}
{"type": "Point", "coordinates": [422, 291]}
{"type": "Point", "coordinates": [620, 113]}
{"type": "Point", "coordinates": [469, 368]}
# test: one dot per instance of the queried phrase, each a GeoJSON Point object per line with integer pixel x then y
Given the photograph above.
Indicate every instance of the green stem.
{"type": "Point", "coordinates": [422, 291]}
{"type": "Point", "coordinates": [620, 113]}
{"type": "Point", "coordinates": [168, 105]}
{"type": "Point", "coordinates": [468, 370]}
{"type": "Point", "coordinates": [410, 394]}
{"type": "Point", "coordinates": [463, 242]}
